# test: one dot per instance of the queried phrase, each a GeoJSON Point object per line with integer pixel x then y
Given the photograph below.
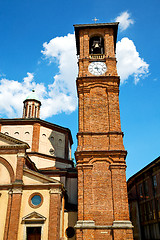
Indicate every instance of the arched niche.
{"type": "Point", "coordinates": [6, 172]}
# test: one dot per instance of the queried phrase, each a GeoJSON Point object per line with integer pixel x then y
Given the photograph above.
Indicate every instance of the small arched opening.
{"type": "Point", "coordinates": [96, 45]}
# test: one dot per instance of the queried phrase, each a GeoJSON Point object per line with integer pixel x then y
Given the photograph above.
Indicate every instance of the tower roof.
{"type": "Point", "coordinates": [32, 96]}
{"type": "Point", "coordinates": [77, 28]}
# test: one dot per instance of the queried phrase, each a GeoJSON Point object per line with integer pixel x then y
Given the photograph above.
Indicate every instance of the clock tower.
{"type": "Point", "coordinates": [102, 191]}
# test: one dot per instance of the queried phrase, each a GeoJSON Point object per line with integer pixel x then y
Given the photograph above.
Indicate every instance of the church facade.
{"type": "Point", "coordinates": [40, 188]}
{"type": "Point", "coordinates": [38, 181]}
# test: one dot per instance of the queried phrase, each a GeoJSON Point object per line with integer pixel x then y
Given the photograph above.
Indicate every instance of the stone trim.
{"type": "Point", "coordinates": [55, 191]}
{"type": "Point", "coordinates": [89, 224]}
{"type": "Point", "coordinates": [100, 133]}
{"type": "Point", "coordinates": [85, 224]}
{"type": "Point", "coordinates": [14, 140]}
{"type": "Point", "coordinates": [122, 224]}
{"type": "Point", "coordinates": [17, 190]}
{"type": "Point", "coordinates": [33, 217]}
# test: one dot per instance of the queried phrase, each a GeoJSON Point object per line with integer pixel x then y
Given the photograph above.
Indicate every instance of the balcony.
{"type": "Point", "coordinates": [96, 56]}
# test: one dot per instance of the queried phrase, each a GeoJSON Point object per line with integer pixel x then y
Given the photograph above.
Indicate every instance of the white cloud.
{"type": "Point", "coordinates": [63, 50]}
{"type": "Point", "coordinates": [62, 92]}
{"type": "Point", "coordinates": [13, 93]}
{"type": "Point", "coordinates": [60, 96]}
{"type": "Point", "coordinates": [124, 21]}
{"type": "Point", "coordinates": [129, 61]}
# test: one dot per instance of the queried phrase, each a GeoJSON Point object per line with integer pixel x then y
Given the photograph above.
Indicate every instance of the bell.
{"type": "Point", "coordinates": [96, 45]}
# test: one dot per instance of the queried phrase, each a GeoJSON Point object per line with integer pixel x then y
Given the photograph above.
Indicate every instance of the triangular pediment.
{"type": "Point", "coordinates": [33, 217]}
{"type": "Point", "coordinates": [11, 142]}
{"type": "Point", "coordinates": [38, 177]}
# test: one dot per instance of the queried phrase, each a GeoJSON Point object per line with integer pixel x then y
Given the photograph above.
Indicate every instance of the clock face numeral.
{"type": "Point", "coordinates": [97, 68]}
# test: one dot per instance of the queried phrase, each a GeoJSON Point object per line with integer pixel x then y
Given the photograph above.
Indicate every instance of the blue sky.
{"type": "Point", "coordinates": [37, 50]}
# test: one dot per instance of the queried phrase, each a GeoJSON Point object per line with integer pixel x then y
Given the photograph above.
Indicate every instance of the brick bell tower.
{"type": "Point", "coordinates": [102, 191]}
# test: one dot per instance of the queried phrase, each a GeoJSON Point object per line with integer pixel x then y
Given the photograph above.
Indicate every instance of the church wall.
{"type": "Point", "coordinates": [4, 175]}
{"type": "Point", "coordinates": [71, 187]}
{"type": "Point", "coordinates": [52, 140]}
{"type": "Point", "coordinates": [70, 219]}
{"type": "Point", "coordinates": [27, 209]}
{"type": "Point", "coordinates": [3, 211]}
{"type": "Point", "coordinates": [21, 132]}
{"type": "Point", "coordinates": [42, 162]}
{"type": "Point", "coordinates": [12, 160]}
{"type": "Point", "coordinates": [62, 165]}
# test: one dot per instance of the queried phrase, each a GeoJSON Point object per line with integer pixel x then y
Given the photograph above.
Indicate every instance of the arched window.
{"type": "Point", "coordinates": [96, 45]}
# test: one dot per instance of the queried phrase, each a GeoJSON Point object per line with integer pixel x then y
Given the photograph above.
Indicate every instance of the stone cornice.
{"type": "Point", "coordinates": [32, 121]}
{"type": "Point", "coordinates": [15, 143]}
{"type": "Point", "coordinates": [93, 79]}
{"type": "Point", "coordinates": [99, 153]}
{"type": "Point", "coordinates": [100, 133]}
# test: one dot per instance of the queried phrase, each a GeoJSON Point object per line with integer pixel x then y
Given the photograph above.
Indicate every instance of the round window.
{"type": "Point", "coordinates": [70, 232]}
{"type": "Point", "coordinates": [35, 200]}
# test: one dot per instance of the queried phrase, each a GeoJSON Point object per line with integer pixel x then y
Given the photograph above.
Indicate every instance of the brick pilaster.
{"type": "Point", "coordinates": [54, 214]}
{"type": "Point", "coordinates": [13, 213]}
{"type": "Point", "coordinates": [20, 165]}
{"type": "Point", "coordinates": [35, 137]}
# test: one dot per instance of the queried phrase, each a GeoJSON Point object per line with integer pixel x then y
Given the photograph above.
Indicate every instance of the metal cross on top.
{"type": "Point", "coordinates": [95, 19]}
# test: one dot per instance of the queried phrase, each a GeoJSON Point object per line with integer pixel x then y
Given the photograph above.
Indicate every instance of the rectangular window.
{"type": "Point", "coordinates": [140, 191]}
{"type": "Point", "coordinates": [154, 179]}
{"type": "Point", "coordinates": [146, 189]}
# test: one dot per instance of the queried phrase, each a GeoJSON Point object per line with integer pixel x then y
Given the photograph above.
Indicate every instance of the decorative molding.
{"type": "Point", "coordinates": [90, 224]}
{"type": "Point", "coordinates": [85, 224]}
{"type": "Point", "coordinates": [33, 217]}
{"type": "Point", "coordinates": [122, 224]}
{"type": "Point", "coordinates": [17, 190]}
{"type": "Point", "coordinates": [96, 153]}
{"type": "Point", "coordinates": [55, 191]}
{"type": "Point", "coordinates": [21, 155]}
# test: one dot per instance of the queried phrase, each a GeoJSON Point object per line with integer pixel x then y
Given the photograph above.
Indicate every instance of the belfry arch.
{"type": "Point", "coordinates": [96, 45]}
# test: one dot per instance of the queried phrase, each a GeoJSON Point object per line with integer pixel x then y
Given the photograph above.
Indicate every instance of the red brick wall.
{"type": "Point", "coordinates": [35, 138]}
{"type": "Point", "coordinates": [11, 231]}
{"type": "Point", "coordinates": [54, 216]}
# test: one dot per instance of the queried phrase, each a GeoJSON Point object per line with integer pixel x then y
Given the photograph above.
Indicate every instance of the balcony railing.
{"type": "Point", "coordinates": [96, 56]}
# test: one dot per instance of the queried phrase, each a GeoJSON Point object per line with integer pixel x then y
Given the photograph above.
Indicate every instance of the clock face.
{"type": "Point", "coordinates": [97, 68]}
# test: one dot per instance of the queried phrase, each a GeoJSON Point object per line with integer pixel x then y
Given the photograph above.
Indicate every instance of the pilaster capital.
{"type": "Point", "coordinates": [21, 154]}
{"type": "Point", "coordinates": [55, 191]}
